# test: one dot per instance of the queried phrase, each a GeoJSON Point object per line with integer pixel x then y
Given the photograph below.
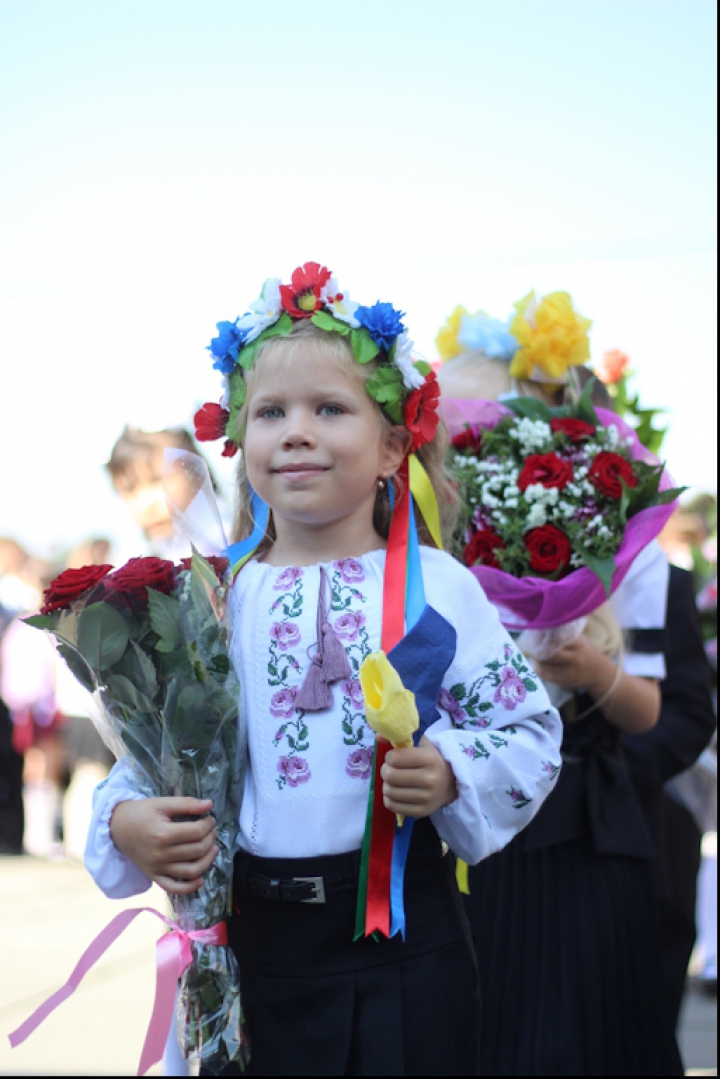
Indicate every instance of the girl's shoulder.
{"type": "Point", "coordinates": [452, 589]}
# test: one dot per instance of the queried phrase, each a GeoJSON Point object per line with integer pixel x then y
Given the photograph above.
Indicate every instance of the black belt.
{"type": "Point", "coordinates": [297, 889]}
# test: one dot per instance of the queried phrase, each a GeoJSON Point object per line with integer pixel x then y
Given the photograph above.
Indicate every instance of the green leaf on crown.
{"type": "Point", "coordinates": [363, 346]}
{"type": "Point", "coordinates": [387, 388]}
{"type": "Point", "coordinates": [281, 328]}
{"type": "Point", "coordinates": [422, 366]}
{"type": "Point", "coordinates": [325, 321]}
{"type": "Point", "coordinates": [238, 390]}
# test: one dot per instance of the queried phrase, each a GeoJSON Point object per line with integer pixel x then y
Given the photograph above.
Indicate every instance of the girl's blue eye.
{"type": "Point", "coordinates": [331, 410]}
{"type": "Point", "coordinates": [273, 413]}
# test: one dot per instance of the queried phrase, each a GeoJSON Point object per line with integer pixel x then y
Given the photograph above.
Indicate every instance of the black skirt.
{"type": "Point", "coordinates": [318, 1003]}
{"type": "Point", "coordinates": [570, 965]}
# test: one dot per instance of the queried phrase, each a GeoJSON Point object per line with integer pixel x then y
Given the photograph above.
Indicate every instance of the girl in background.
{"type": "Point", "coordinates": [565, 916]}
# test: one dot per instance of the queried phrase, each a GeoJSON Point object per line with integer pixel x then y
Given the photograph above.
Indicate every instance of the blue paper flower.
{"type": "Point", "coordinates": [225, 347]}
{"type": "Point", "coordinates": [488, 335]}
{"type": "Point", "coordinates": [382, 322]}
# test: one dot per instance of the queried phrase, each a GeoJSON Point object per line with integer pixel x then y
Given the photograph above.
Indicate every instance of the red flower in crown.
{"type": "Point", "coordinates": [301, 299]}
{"type": "Point", "coordinates": [210, 422]}
{"type": "Point", "coordinates": [421, 412]}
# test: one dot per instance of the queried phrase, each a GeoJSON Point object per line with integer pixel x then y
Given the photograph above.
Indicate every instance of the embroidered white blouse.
{"type": "Point", "coordinates": [308, 778]}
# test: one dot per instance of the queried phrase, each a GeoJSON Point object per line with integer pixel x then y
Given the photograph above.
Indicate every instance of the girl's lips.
{"type": "Point", "coordinates": [301, 472]}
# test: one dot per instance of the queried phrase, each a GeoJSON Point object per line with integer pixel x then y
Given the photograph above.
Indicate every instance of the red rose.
{"type": "Point", "coordinates": [219, 564]}
{"type": "Point", "coordinates": [547, 469]}
{"type": "Point", "coordinates": [549, 548]}
{"type": "Point", "coordinates": [607, 472]}
{"type": "Point", "coordinates": [301, 299]}
{"type": "Point", "coordinates": [70, 585]}
{"type": "Point", "coordinates": [469, 439]}
{"type": "Point", "coordinates": [210, 422]}
{"type": "Point", "coordinates": [421, 411]}
{"type": "Point", "coordinates": [576, 430]}
{"type": "Point", "coordinates": [132, 580]}
{"type": "Point", "coordinates": [482, 548]}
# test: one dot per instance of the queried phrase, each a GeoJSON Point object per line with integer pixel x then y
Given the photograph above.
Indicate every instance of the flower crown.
{"type": "Point", "coordinates": [403, 385]}
{"type": "Point", "coordinates": [541, 341]}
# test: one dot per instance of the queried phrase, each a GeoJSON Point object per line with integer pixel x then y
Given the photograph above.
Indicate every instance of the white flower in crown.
{"type": "Point", "coordinates": [339, 303]}
{"type": "Point", "coordinates": [412, 378]}
{"type": "Point", "coordinates": [263, 312]}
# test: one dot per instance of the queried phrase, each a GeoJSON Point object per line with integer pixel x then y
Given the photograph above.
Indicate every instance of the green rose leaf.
{"type": "Point", "coordinates": [78, 666]}
{"type": "Point", "coordinates": [102, 635]}
{"type": "Point", "coordinates": [147, 670]}
{"type": "Point", "coordinates": [584, 408]}
{"type": "Point", "coordinates": [123, 690]}
{"type": "Point", "coordinates": [40, 621]}
{"type": "Point", "coordinates": [603, 568]}
{"type": "Point", "coordinates": [325, 321]}
{"type": "Point", "coordinates": [529, 407]}
{"type": "Point", "coordinates": [363, 346]}
{"type": "Point", "coordinates": [164, 618]}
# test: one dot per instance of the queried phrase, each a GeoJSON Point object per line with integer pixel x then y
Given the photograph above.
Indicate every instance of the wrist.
{"type": "Point", "coordinates": [605, 678]}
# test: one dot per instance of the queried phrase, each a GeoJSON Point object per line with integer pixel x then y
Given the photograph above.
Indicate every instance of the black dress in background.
{"type": "Point", "coordinates": [566, 927]}
{"type": "Point", "coordinates": [685, 728]}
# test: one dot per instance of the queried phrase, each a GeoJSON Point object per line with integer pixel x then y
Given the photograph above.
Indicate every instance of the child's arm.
{"type": "Point", "coordinates": [174, 854]}
{"type": "Point", "coordinates": [630, 702]}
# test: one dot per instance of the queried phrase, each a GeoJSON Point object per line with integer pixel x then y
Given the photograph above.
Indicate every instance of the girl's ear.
{"type": "Point", "coordinates": [398, 442]}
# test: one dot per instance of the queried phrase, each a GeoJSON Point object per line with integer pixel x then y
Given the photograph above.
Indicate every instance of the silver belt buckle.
{"type": "Point", "coordinates": [318, 884]}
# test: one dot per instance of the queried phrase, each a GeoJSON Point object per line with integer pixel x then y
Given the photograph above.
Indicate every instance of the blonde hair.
{"type": "Point", "coordinates": [492, 378]}
{"type": "Point", "coordinates": [432, 455]}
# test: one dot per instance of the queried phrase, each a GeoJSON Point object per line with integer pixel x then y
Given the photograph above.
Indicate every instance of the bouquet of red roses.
{"type": "Point", "coordinates": [150, 641]}
{"type": "Point", "coordinates": [558, 503]}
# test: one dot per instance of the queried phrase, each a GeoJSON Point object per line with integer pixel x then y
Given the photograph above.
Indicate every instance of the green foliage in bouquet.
{"type": "Point", "coordinates": [150, 641]}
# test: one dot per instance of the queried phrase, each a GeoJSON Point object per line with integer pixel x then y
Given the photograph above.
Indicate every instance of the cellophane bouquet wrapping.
{"type": "Point", "coordinates": [151, 643]}
{"type": "Point", "coordinates": [558, 504]}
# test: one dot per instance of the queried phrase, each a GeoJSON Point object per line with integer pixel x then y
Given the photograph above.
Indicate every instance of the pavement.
{"type": "Point", "coordinates": [49, 913]}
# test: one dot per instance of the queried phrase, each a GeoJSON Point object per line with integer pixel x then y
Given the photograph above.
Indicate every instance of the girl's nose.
{"type": "Point", "coordinates": [298, 432]}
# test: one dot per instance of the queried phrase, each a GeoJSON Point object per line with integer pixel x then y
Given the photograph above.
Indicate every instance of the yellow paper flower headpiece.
{"type": "Point", "coordinates": [552, 337]}
{"type": "Point", "coordinates": [447, 339]}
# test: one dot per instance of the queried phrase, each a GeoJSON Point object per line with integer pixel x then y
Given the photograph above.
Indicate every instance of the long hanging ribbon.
{"type": "Point", "coordinates": [239, 553]}
{"type": "Point", "coordinates": [386, 843]}
{"type": "Point", "coordinates": [173, 957]}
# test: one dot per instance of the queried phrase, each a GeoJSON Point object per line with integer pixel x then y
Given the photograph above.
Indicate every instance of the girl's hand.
{"type": "Point", "coordinates": [417, 780]}
{"type": "Point", "coordinates": [579, 665]}
{"type": "Point", "coordinates": [174, 854]}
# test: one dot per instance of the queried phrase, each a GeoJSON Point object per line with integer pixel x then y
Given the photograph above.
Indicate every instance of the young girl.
{"type": "Point", "coordinates": [570, 905]}
{"type": "Point", "coordinates": [327, 404]}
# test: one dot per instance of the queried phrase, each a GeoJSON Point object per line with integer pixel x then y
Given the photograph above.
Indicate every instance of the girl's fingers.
{"type": "Point", "coordinates": [188, 870]}
{"type": "Point", "coordinates": [178, 833]}
{"type": "Point", "coordinates": [177, 807]}
{"type": "Point", "coordinates": [189, 852]}
{"type": "Point", "coordinates": [179, 887]}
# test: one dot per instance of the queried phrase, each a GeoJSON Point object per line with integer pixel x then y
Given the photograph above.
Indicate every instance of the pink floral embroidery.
{"type": "Point", "coordinates": [350, 570]}
{"type": "Point", "coordinates": [451, 705]}
{"type": "Point", "coordinates": [349, 625]}
{"type": "Point", "coordinates": [511, 692]}
{"type": "Point", "coordinates": [282, 703]}
{"type": "Point", "coordinates": [351, 688]}
{"type": "Point", "coordinates": [359, 763]}
{"type": "Point", "coordinates": [286, 579]}
{"type": "Point", "coordinates": [286, 634]}
{"type": "Point", "coordinates": [294, 770]}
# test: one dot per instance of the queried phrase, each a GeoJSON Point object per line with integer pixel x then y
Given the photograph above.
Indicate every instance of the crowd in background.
{"type": "Point", "coordinates": [51, 757]}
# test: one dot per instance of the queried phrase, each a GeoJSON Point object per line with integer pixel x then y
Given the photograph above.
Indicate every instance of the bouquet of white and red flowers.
{"type": "Point", "coordinates": [558, 503]}
{"type": "Point", "coordinates": [150, 641]}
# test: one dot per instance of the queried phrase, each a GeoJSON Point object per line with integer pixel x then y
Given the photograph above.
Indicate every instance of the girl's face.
{"type": "Point", "coordinates": [316, 445]}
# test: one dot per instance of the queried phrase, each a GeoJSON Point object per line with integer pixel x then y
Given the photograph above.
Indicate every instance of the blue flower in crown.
{"type": "Point", "coordinates": [225, 347]}
{"type": "Point", "coordinates": [489, 335]}
{"type": "Point", "coordinates": [382, 322]}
